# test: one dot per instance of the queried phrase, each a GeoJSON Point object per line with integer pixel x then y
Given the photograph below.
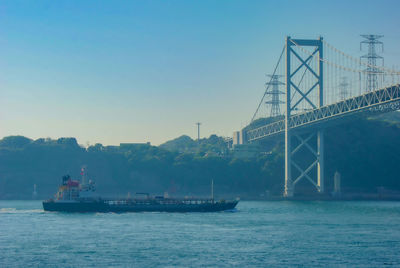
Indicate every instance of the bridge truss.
{"type": "Point", "coordinates": [379, 101]}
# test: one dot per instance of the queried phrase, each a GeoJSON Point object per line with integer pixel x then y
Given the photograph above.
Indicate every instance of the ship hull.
{"type": "Point", "coordinates": [99, 206]}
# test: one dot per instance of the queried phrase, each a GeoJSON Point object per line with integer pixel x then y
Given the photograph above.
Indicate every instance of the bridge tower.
{"type": "Point", "coordinates": [304, 90]}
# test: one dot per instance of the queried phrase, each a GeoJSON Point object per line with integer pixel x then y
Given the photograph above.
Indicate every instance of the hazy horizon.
{"type": "Point", "coordinates": [147, 71]}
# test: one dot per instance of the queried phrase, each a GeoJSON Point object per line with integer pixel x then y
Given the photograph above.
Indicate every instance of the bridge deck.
{"type": "Point", "coordinates": [380, 100]}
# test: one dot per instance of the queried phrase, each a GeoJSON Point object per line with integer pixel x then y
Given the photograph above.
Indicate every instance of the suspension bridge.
{"type": "Point", "coordinates": [322, 85]}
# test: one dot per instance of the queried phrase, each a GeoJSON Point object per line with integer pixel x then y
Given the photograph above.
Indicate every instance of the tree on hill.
{"type": "Point", "coordinates": [14, 142]}
{"type": "Point", "coordinates": [181, 144]}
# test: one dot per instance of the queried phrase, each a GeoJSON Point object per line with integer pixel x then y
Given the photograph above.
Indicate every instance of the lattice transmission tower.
{"type": "Point", "coordinates": [275, 93]}
{"type": "Point", "coordinates": [372, 58]}
{"type": "Point", "coordinates": [343, 88]}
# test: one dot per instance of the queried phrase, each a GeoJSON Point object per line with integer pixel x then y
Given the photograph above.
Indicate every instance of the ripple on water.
{"type": "Point", "coordinates": [20, 211]}
{"type": "Point", "coordinates": [259, 234]}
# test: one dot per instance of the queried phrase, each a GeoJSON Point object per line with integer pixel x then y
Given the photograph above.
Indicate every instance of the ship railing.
{"type": "Point", "coordinates": [149, 201]}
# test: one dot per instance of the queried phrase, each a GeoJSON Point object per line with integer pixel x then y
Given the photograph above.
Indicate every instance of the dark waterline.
{"type": "Point", "coordinates": [259, 234]}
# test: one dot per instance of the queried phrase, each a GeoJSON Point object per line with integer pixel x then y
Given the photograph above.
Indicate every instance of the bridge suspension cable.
{"type": "Point", "coordinates": [338, 67]}
{"type": "Point", "coordinates": [269, 83]}
{"type": "Point", "coordinates": [382, 68]}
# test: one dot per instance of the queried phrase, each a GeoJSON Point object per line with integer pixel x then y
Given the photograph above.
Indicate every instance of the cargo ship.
{"type": "Point", "coordinates": [74, 196]}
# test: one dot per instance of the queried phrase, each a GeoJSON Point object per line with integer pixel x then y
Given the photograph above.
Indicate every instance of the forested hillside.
{"type": "Point", "coordinates": [365, 151]}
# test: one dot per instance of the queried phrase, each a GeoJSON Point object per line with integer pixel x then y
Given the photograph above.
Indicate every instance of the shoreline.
{"type": "Point", "coordinates": [350, 197]}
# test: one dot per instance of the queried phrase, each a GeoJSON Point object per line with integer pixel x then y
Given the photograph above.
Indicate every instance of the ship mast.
{"type": "Point", "coordinates": [34, 194]}
{"type": "Point", "coordinates": [212, 189]}
{"type": "Point", "coordinates": [83, 174]}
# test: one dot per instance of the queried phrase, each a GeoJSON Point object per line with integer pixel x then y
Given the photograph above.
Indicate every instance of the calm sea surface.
{"type": "Point", "coordinates": [258, 234]}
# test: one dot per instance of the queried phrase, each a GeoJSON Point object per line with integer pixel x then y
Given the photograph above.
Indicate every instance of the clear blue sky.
{"type": "Point", "coordinates": [137, 71]}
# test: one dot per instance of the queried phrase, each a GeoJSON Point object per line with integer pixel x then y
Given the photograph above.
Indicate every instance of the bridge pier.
{"type": "Point", "coordinates": [289, 187]}
{"type": "Point", "coordinates": [320, 171]}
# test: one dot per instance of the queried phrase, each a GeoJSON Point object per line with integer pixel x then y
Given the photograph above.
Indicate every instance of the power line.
{"type": "Point", "coordinates": [265, 92]}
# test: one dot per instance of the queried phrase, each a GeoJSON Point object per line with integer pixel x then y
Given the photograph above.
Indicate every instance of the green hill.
{"type": "Point", "coordinates": [364, 150]}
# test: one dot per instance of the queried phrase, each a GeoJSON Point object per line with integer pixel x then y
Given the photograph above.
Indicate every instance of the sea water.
{"type": "Point", "coordinates": [257, 234]}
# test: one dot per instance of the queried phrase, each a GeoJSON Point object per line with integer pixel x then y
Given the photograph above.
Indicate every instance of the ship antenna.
{"type": "Point", "coordinates": [83, 174]}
